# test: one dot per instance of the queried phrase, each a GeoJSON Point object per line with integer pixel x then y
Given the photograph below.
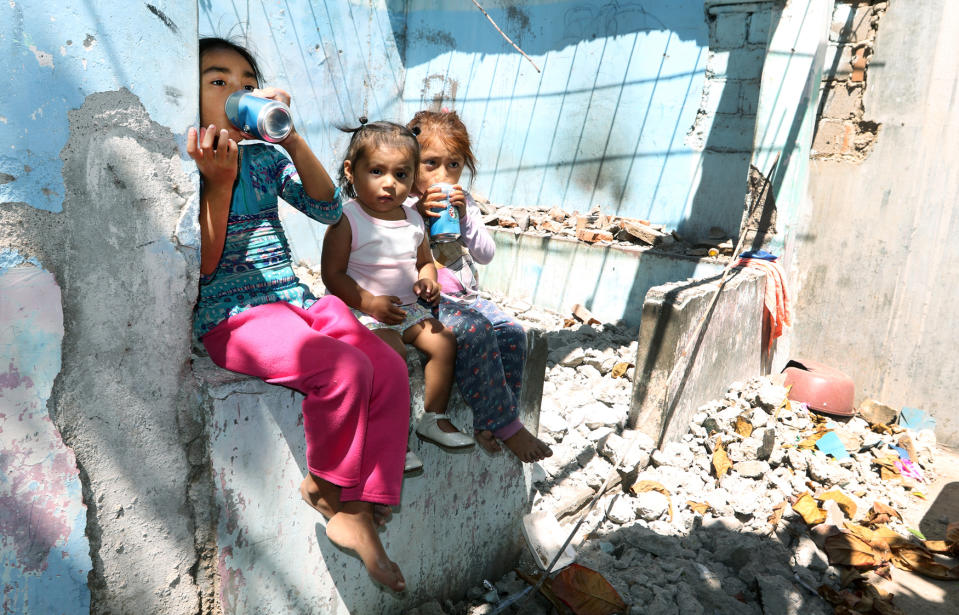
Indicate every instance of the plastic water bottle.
{"type": "Point", "coordinates": [264, 119]}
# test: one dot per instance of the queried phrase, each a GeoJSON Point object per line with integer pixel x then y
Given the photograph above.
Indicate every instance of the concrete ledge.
{"type": "Point", "coordinates": [458, 522]}
{"type": "Point", "coordinates": [730, 349]}
{"type": "Point", "coordinates": [555, 272]}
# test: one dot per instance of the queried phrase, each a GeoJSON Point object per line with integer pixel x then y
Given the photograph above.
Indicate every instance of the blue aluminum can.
{"type": "Point", "coordinates": [446, 228]}
{"type": "Point", "coordinates": [264, 119]}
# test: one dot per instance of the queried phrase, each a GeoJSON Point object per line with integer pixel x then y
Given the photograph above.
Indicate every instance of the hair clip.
{"type": "Point", "coordinates": [445, 110]}
{"type": "Point", "coordinates": [416, 130]}
{"type": "Point", "coordinates": [363, 120]}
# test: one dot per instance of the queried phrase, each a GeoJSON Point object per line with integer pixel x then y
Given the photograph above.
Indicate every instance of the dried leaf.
{"type": "Point", "coordinates": [917, 559]}
{"type": "Point", "coordinates": [546, 589]}
{"type": "Point", "coordinates": [777, 514]}
{"type": "Point", "coordinates": [845, 503]}
{"type": "Point", "coordinates": [810, 441]}
{"type": "Point", "coordinates": [810, 511]}
{"type": "Point", "coordinates": [937, 546]}
{"type": "Point", "coordinates": [721, 462]}
{"type": "Point", "coordinates": [881, 513]}
{"type": "Point", "coordinates": [651, 485]}
{"type": "Point", "coordinates": [587, 592]}
{"type": "Point", "coordinates": [619, 370]}
{"type": "Point", "coordinates": [848, 549]}
{"type": "Point", "coordinates": [700, 508]}
{"type": "Point", "coordinates": [743, 426]}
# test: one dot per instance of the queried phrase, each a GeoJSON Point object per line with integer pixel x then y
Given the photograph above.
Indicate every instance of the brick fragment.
{"type": "Point", "coordinates": [592, 236]}
{"type": "Point", "coordinates": [642, 232]}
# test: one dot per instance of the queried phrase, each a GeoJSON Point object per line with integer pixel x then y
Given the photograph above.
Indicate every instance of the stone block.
{"type": "Point", "coordinates": [760, 24]}
{"type": "Point", "coordinates": [721, 96]}
{"type": "Point", "coordinates": [257, 455]}
{"type": "Point", "coordinates": [731, 133]}
{"type": "Point", "coordinates": [728, 31]}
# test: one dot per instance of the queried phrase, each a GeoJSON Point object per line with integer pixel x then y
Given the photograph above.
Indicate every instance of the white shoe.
{"type": "Point", "coordinates": [431, 432]}
{"type": "Point", "coordinates": [412, 464]}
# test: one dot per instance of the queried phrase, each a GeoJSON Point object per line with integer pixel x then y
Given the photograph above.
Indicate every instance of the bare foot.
{"type": "Point", "coordinates": [487, 441]}
{"type": "Point", "coordinates": [322, 495]}
{"type": "Point", "coordinates": [353, 528]}
{"type": "Point", "coordinates": [527, 447]}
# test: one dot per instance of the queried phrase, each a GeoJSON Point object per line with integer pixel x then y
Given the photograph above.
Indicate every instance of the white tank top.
{"type": "Point", "coordinates": [383, 252]}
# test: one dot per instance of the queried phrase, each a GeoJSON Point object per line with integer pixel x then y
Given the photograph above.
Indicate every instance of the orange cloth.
{"type": "Point", "coordinates": [776, 302]}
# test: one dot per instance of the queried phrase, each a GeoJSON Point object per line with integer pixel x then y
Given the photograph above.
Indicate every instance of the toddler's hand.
{"type": "Point", "coordinates": [215, 154]}
{"type": "Point", "coordinates": [385, 308]}
{"type": "Point", "coordinates": [428, 290]}
{"type": "Point", "coordinates": [430, 199]}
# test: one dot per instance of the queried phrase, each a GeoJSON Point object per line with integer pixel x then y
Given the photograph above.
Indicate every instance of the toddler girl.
{"type": "Point", "coordinates": [491, 346]}
{"type": "Point", "coordinates": [377, 260]}
{"type": "Point", "coordinates": [254, 317]}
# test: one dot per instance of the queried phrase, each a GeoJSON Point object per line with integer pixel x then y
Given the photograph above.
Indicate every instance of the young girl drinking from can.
{"type": "Point", "coordinates": [377, 260]}
{"type": "Point", "coordinates": [254, 317]}
{"type": "Point", "coordinates": [491, 346]}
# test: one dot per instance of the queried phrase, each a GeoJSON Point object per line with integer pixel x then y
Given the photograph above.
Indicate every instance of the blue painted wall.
{"type": "Point", "coordinates": [605, 123]}
{"type": "Point", "coordinates": [634, 109]}
{"type": "Point", "coordinates": [339, 60]}
{"type": "Point", "coordinates": [56, 53]}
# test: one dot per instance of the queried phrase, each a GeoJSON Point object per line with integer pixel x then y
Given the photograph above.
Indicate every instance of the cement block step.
{"type": "Point", "coordinates": [460, 521]}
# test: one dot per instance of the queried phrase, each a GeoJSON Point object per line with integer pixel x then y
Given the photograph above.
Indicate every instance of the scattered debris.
{"type": "Point", "coordinates": [599, 228]}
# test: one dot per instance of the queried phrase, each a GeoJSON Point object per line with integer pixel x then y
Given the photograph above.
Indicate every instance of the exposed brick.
{"type": "Point", "coordinates": [843, 102]}
{"type": "Point", "coordinates": [841, 70]}
{"type": "Point", "coordinates": [760, 23]}
{"type": "Point", "coordinates": [729, 31]}
{"type": "Point", "coordinates": [592, 236]}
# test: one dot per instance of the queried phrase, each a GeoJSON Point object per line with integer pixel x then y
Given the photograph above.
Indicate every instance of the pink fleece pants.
{"type": "Point", "coordinates": [357, 405]}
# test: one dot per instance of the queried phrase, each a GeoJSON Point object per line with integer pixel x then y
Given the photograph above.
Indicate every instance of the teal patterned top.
{"type": "Point", "coordinates": [255, 267]}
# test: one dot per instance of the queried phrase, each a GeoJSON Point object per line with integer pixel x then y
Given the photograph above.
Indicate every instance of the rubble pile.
{"type": "Point", "coordinates": [597, 227]}
{"type": "Point", "coordinates": [736, 518]}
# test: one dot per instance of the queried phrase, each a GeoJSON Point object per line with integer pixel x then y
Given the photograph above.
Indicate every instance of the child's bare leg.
{"type": "Point", "coordinates": [353, 528]}
{"type": "Point", "coordinates": [321, 494]}
{"type": "Point", "coordinates": [324, 496]}
{"type": "Point", "coordinates": [439, 344]}
{"type": "Point", "coordinates": [393, 339]}
{"type": "Point", "coordinates": [527, 447]}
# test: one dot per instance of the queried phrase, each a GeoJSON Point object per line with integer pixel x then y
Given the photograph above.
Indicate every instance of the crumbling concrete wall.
{"type": "Point", "coordinates": [691, 346]}
{"type": "Point", "coordinates": [94, 190]}
{"type": "Point", "coordinates": [843, 132]}
{"type": "Point", "coordinates": [876, 248]}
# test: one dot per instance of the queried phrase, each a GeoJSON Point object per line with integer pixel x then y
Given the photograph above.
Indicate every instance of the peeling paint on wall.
{"type": "Point", "coordinates": [44, 552]}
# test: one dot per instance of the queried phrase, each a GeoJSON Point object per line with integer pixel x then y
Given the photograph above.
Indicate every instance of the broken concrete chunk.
{"type": "Point", "coordinates": [642, 232]}
{"type": "Point", "coordinates": [877, 413]}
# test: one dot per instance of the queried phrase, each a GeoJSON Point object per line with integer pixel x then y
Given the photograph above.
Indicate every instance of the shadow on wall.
{"type": "Point", "coordinates": [605, 121]}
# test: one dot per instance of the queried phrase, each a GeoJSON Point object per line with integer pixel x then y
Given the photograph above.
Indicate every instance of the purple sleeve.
{"type": "Point", "coordinates": [474, 235]}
